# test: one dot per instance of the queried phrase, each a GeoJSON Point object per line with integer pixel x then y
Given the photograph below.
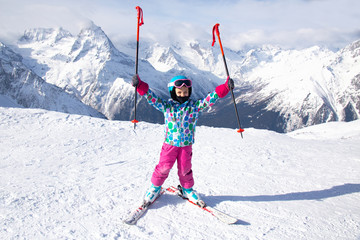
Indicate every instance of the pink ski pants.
{"type": "Point", "coordinates": [169, 154]}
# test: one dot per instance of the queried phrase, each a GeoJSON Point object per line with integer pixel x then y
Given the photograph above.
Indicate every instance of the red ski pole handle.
{"type": "Point", "coordinates": [140, 20]}
{"type": "Point", "coordinates": [140, 16]}
{"type": "Point", "coordinates": [216, 29]}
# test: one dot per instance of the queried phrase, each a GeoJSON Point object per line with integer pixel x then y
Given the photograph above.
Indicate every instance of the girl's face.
{"type": "Point", "coordinates": [182, 92]}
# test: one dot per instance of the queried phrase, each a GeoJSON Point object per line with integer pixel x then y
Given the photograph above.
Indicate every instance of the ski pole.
{"type": "Point", "coordinates": [140, 21]}
{"type": "Point", "coordinates": [216, 29]}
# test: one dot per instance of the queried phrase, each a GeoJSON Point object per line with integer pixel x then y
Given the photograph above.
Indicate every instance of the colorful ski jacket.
{"type": "Point", "coordinates": [180, 119]}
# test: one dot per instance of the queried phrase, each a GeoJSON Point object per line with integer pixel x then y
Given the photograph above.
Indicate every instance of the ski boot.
{"type": "Point", "coordinates": [191, 195]}
{"type": "Point", "coordinates": [151, 194]}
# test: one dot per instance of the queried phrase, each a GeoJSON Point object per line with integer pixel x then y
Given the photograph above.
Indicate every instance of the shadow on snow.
{"type": "Point", "coordinates": [335, 191]}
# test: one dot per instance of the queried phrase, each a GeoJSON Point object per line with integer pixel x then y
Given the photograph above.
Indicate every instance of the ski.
{"type": "Point", "coordinates": [223, 217]}
{"type": "Point", "coordinates": [139, 211]}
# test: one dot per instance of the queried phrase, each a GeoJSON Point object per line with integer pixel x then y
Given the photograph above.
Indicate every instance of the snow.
{"type": "Point", "coordinates": [68, 176]}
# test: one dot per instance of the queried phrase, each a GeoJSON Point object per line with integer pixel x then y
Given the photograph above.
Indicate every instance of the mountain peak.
{"type": "Point", "coordinates": [92, 35]}
{"type": "Point", "coordinates": [90, 28]}
{"type": "Point", "coordinates": [44, 34]}
{"type": "Point", "coordinates": [354, 48]}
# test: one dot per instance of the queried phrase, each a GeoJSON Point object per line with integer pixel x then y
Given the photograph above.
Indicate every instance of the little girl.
{"type": "Point", "coordinates": [181, 114]}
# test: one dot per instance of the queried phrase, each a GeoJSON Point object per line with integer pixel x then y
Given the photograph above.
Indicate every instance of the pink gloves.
{"type": "Point", "coordinates": [223, 89]}
{"type": "Point", "coordinates": [142, 87]}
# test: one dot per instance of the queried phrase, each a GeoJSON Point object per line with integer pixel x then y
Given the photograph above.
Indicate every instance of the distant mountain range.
{"type": "Point", "coordinates": [276, 89]}
{"type": "Point", "coordinates": [21, 87]}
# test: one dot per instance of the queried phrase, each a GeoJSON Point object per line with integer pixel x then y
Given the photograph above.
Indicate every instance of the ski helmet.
{"type": "Point", "coordinates": [171, 87]}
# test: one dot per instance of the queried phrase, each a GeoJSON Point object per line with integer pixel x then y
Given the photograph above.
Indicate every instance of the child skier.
{"type": "Point", "coordinates": [181, 115]}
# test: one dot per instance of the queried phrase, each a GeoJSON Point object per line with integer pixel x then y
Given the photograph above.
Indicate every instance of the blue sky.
{"type": "Point", "coordinates": [243, 23]}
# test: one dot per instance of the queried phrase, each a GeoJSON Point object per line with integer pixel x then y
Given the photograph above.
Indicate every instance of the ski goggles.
{"type": "Point", "coordinates": [179, 83]}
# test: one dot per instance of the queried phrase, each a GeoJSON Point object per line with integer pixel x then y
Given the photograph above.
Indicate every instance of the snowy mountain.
{"type": "Point", "coordinates": [91, 68]}
{"type": "Point", "coordinates": [87, 66]}
{"type": "Point", "coordinates": [66, 176]}
{"type": "Point", "coordinates": [308, 87]}
{"type": "Point", "coordinates": [276, 89]}
{"type": "Point", "coordinates": [21, 87]}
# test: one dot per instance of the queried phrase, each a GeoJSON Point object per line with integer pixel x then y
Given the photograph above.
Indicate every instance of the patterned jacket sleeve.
{"type": "Point", "coordinates": [156, 101]}
{"type": "Point", "coordinates": [208, 101]}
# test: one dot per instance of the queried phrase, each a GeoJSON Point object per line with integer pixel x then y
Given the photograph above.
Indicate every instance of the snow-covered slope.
{"type": "Point", "coordinates": [20, 86]}
{"type": "Point", "coordinates": [75, 177]}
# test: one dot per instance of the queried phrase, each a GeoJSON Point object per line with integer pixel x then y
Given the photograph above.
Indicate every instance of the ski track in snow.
{"type": "Point", "coordinates": [75, 177]}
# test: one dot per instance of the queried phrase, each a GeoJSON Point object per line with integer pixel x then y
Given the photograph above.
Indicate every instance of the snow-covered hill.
{"type": "Point", "coordinates": [90, 67]}
{"type": "Point", "coordinates": [309, 87]}
{"type": "Point", "coordinates": [87, 66]}
{"type": "Point", "coordinates": [68, 176]}
{"type": "Point", "coordinates": [21, 87]}
{"type": "Point", "coordinates": [276, 89]}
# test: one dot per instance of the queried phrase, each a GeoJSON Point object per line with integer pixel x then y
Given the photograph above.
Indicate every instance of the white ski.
{"type": "Point", "coordinates": [138, 212]}
{"type": "Point", "coordinates": [223, 217]}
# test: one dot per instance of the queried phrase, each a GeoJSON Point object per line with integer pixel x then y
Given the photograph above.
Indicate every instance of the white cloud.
{"type": "Point", "coordinates": [288, 23]}
{"type": "Point", "coordinates": [299, 38]}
